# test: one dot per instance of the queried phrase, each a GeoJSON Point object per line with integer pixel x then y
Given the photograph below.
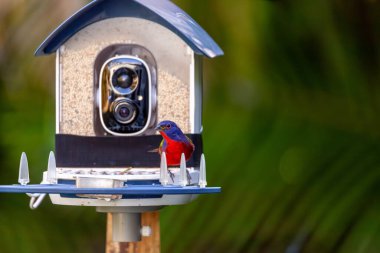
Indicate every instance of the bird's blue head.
{"type": "Point", "coordinates": [169, 128]}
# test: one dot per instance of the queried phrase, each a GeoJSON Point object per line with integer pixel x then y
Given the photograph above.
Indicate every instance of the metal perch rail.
{"type": "Point", "coordinates": [50, 185]}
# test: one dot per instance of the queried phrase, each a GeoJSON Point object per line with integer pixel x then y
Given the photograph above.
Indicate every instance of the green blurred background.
{"type": "Point", "coordinates": [291, 130]}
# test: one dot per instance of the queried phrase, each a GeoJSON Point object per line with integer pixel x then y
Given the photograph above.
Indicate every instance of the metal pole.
{"type": "Point", "coordinates": [150, 244]}
{"type": "Point", "coordinates": [126, 227]}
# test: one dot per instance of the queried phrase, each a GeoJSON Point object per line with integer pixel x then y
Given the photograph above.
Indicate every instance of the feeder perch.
{"type": "Point", "coordinates": [23, 176]}
{"type": "Point", "coordinates": [164, 170]}
{"type": "Point", "coordinates": [202, 172]}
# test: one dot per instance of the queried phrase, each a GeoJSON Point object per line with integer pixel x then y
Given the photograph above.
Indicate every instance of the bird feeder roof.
{"type": "Point", "coordinates": [162, 12]}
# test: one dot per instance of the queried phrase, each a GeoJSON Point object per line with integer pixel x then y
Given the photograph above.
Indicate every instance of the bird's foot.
{"type": "Point", "coordinates": [171, 174]}
{"type": "Point", "coordinates": [188, 177]}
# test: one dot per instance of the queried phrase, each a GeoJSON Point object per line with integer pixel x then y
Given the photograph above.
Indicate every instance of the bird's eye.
{"type": "Point", "coordinates": [168, 126]}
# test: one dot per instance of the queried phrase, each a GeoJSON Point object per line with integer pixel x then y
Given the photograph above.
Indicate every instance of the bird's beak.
{"type": "Point", "coordinates": [158, 128]}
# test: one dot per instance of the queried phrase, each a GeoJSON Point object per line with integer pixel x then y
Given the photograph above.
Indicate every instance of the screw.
{"type": "Point", "coordinates": [146, 231]}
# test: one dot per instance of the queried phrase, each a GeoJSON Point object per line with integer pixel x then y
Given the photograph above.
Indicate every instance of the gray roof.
{"type": "Point", "coordinates": [163, 12]}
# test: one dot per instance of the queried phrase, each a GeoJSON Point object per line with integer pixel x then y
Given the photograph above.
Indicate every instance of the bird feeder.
{"type": "Point", "coordinates": [122, 66]}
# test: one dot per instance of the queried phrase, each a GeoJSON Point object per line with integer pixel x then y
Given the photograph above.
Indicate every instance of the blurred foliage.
{"type": "Point", "coordinates": [291, 129]}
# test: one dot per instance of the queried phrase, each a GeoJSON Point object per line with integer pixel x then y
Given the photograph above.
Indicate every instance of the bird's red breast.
{"type": "Point", "coordinates": [174, 149]}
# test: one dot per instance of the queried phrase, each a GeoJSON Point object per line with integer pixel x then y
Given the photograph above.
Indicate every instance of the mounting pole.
{"type": "Point", "coordinates": [149, 244]}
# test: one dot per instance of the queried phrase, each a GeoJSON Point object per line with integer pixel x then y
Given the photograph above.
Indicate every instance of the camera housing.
{"type": "Point", "coordinates": [125, 104]}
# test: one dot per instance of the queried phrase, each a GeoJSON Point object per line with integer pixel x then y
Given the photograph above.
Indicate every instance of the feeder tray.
{"type": "Point", "coordinates": [134, 188]}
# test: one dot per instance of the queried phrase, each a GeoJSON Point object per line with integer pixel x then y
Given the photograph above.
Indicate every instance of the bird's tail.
{"type": "Point", "coordinates": [156, 150]}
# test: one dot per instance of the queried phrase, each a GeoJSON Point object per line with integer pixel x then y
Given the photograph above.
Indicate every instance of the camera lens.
{"type": "Point", "coordinates": [124, 111]}
{"type": "Point", "coordinates": [124, 80]}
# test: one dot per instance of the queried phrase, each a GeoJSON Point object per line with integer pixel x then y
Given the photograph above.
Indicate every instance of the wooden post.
{"type": "Point", "coordinates": [149, 244]}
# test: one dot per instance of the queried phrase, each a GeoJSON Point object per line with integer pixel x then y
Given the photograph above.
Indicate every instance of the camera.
{"type": "Point", "coordinates": [125, 95]}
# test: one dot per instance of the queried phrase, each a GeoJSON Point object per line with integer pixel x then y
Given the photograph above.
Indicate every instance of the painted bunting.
{"type": "Point", "coordinates": [174, 143]}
